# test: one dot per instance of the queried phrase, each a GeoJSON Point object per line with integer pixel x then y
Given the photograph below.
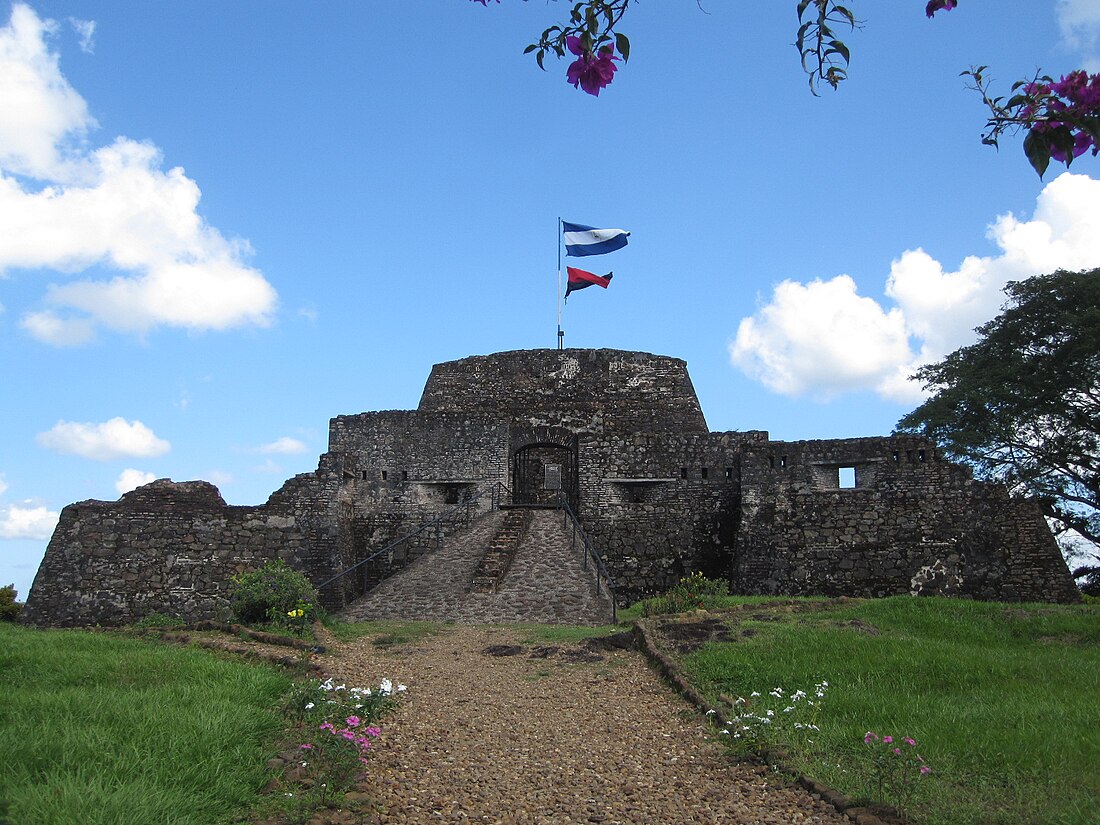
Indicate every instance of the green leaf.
{"type": "Point", "coordinates": [539, 57]}
{"type": "Point", "coordinates": [623, 45]}
{"type": "Point", "coordinates": [1037, 150]}
{"type": "Point", "coordinates": [531, 48]}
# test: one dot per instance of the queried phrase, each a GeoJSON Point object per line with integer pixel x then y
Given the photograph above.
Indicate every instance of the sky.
{"type": "Point", "coordinates": [223, 224]}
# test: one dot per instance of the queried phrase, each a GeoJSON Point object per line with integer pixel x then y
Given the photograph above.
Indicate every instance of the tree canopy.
{"type": "Point", "coordinates": [1022, 405]}
{"type": "Point", "coordinates": [1061, 117]}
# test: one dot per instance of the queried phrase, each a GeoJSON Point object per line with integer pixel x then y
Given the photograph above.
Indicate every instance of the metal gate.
{"type": "Point", "coordinates": [530, 467]}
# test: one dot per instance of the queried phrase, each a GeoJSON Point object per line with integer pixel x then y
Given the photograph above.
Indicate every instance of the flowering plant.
{"type": "Point", "coordinates": [762, 721]}
{"type": "Point", "coordinates": [898, 767]}
{"type": "Point", "coordinates": [1062, 117]}
{"type": "Point", "coordinates": [341, 726]}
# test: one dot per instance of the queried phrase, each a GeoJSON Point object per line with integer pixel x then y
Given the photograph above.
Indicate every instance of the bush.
{"type": "Point", "coordinates": [275, 593]}
{"type": "Point", "coordinates": [9, 607]}
{"type": "Point", "coordinates": [690, 593]}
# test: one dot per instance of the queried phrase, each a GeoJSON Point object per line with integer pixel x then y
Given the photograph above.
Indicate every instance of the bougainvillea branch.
{"type": "Point", "coordinates": [1061, 118]}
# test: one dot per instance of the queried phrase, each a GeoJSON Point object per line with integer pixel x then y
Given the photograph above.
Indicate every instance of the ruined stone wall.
{"type": "Point", "coordinates": [163, 548]}
{"type": "Point", "coordinates": [659, 506]}
{"type": "Point", "coordinates": [586, 390]}
{"type": "Point", "coordinates": [913, 523]}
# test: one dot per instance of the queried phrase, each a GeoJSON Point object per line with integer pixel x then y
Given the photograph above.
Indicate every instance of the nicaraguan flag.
{"type": "Point", "coordinates": [586, 240]}
{"type": "Point", "coordinates": [579, 279]}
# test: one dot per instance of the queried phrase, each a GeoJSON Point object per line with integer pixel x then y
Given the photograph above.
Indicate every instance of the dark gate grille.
{"type": "Point", "coordinates": [529, 474]}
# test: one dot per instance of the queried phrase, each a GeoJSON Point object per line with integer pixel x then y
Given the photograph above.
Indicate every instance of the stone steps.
{"type": "Point", "coordinates": [544, 582]}
{"type": "Point", "coordinates": [502, 549]}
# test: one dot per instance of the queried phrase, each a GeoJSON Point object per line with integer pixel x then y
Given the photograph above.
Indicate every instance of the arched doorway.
{"type": "Point", "coordinates": [535, 469]}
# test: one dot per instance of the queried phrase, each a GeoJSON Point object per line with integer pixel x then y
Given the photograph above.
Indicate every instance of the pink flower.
{"type": "Point", "coordinates": [590, 72]}
{"type": "Point", "coordinates": [935, 6]}
{"type": "Point", "coordinates": [347, 734]}
{"type": "Point", "coordinates": [911, 742]}
{"type": "Point", "coordinates": [373, 731]}
{"type": "Point", "coordinates": [897, 751]}
{"type": "Point", "coordinates": [888, 740]}
{"type": "Point", "coordinates": [870, 737]}
{"type": "Point", "coordinates": [307, 747]}
{"type": "Point", "coordinates": [925, 769]}
{"type": "Point", "coordinates": [353, 721]}
{"type": "Point", "coordinates": [328, 726]}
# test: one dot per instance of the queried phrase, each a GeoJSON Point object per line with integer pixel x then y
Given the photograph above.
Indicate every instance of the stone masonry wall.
{"type": "Point", "coordinates": [912, 523]}
{"type": "Point", "coordinates": [583, 389]}
{"type": "Point", "coordinates": [163, 548]}
{"type": "Point", "coordinates": [659, 506]}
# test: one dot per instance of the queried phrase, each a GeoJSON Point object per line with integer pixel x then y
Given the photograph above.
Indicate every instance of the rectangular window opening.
{"type": "Point", "coordinates": [846, 478]}
{"type": "Point", "coordinates": [704, 471]}
{"type": "Point", "coordinates": [921, 456]}
{"type": "Point", "coordinates": [404, 475]}
{"type": "Point", "coordinates": [683, 472]}
{"type": "Point", "coordinates": [729, 472]}
{"type": "Point", "coordinates": [364, 475]}
{"type": "Point", "coordinates": [383, 475]}
{"type": "Point", "coordinates": [783, 461]}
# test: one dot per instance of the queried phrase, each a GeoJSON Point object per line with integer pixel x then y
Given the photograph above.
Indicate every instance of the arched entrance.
{"type": "Point", "coordinates": [536, 469]}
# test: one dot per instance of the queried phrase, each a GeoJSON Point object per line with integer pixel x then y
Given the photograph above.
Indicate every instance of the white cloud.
{"type": "Point", "coordinates": [26, 521]}
{"type": "Point", "coordinates": [1079, 21]}
{"type": "Point", "coordinates": [117, 438]}
{"type": "Point", "coordinates": [823, 338]}
{"type": "Point", "coordinates": [820, 338]}
{"type": "Point", "coordinates": [112, 208]}
{"type": "Point", "coordinates": [283, 446]}
{"type": "Point", "coordinates": [130, 479]}
{"type": "Point", "coordinates": [3, 485]}
{"type": "Point", "coordinates": [85, 31]}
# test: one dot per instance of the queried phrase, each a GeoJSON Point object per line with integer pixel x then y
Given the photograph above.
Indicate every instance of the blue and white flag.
{"type": "Point", "coordinates": [586, 240]}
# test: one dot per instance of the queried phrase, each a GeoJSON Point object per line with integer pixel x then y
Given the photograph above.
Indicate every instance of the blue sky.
{"type": "Point", "coordinates": [222, 224]}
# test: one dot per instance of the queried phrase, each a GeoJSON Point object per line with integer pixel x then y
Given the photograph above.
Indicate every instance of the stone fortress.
{"type": "Point", "coordinates": [622, 435]}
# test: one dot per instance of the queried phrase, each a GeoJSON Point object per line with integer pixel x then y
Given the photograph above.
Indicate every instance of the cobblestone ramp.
{"type": "Point", "coordinates": [546, 582]}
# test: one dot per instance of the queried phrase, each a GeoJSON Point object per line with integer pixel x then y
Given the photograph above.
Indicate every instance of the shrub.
{"type": "Point", "coordinates": [9, 607]}
{"type": "Point", "coordinates": [274, 593]}
{"type": "Point", "coordinates": [690, 593]}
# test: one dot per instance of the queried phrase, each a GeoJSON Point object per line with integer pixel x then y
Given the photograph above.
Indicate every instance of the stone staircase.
{"type": "Point", "coordinates": [544, 582]}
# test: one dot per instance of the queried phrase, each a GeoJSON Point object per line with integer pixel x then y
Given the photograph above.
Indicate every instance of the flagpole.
{"type": "Point", "coordinates": [561, 335]}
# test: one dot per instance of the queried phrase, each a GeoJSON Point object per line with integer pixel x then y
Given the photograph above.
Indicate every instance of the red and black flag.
{"type": "Point", "coordinates": [579, 279]}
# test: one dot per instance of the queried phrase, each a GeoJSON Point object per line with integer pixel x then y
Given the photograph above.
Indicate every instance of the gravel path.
{"type": "Point", "coordinates": [551, 734]}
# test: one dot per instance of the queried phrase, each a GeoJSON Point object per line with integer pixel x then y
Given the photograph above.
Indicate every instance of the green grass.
{"type": "Point", "coordinates": [105, 728]}
{"type": "Point", "coordinates": [1004, 700]}
{"type": "Point", "coordinates": [561, 633]}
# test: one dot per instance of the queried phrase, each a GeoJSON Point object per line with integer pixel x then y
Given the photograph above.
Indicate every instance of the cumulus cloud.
{"type": "Point", "coordinates": [822, 338]}
{"type": "Point", "coordinates": [130, 479]}
{"type": "Point", "coordinates": [26, 521]}
{"type": "Point", "coordinates": [76, 209]}
{"type": "Point", "coordinates": [117, 438]}
{"type": "Point", "coordinates": [283, 446]}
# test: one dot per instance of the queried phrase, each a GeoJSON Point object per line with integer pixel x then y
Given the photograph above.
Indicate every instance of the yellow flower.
{"type": "Point", "coordinates": [296, 614]}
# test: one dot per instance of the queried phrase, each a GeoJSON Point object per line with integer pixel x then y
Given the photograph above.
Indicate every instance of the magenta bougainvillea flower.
{"type": "Point", "coordinates": [935, 5]}
{"type": "Point", "coordinates": [591, 72]}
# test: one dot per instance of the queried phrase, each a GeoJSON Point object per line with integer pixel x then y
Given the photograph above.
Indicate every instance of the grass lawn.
{"type": "Point", "coordinates": [1003, 699]}
{"type": "Point", "coordinates": [104, 728]}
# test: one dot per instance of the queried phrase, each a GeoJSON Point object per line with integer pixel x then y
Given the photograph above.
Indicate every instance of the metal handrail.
{"type": "Point", "coordinates": [589, 551]}
{"type": "Point", "coordinates": [476, 496]}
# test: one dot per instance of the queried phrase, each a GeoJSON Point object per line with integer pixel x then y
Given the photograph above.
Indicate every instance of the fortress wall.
{"type": "Point", "coordinates": [911, 525]}
{"type": "Point", "coordinates": [401, 469]}
{"type": "Point", "coordinates": [659, 506]}
{"type": "Point", "coordinates": [163, 548]}
{"type": "Point", "coordinates": [582, 389]}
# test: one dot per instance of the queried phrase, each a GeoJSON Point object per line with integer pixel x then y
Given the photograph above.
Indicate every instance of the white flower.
{"type": "Point", "coordinates": [771, 713]}
{"type": "Point", "coordinates": [309, 705]}
{"type": "Point", "coordinates": [754, 694]}
{"type": "Point", "coordinates": [340, 687]}
{"type": "Point", "coordinates": [401, 688]}
{"type": "Point", "coordinates": [386, 686]}
{"type": "Point", "coordinates": [710, 712]}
